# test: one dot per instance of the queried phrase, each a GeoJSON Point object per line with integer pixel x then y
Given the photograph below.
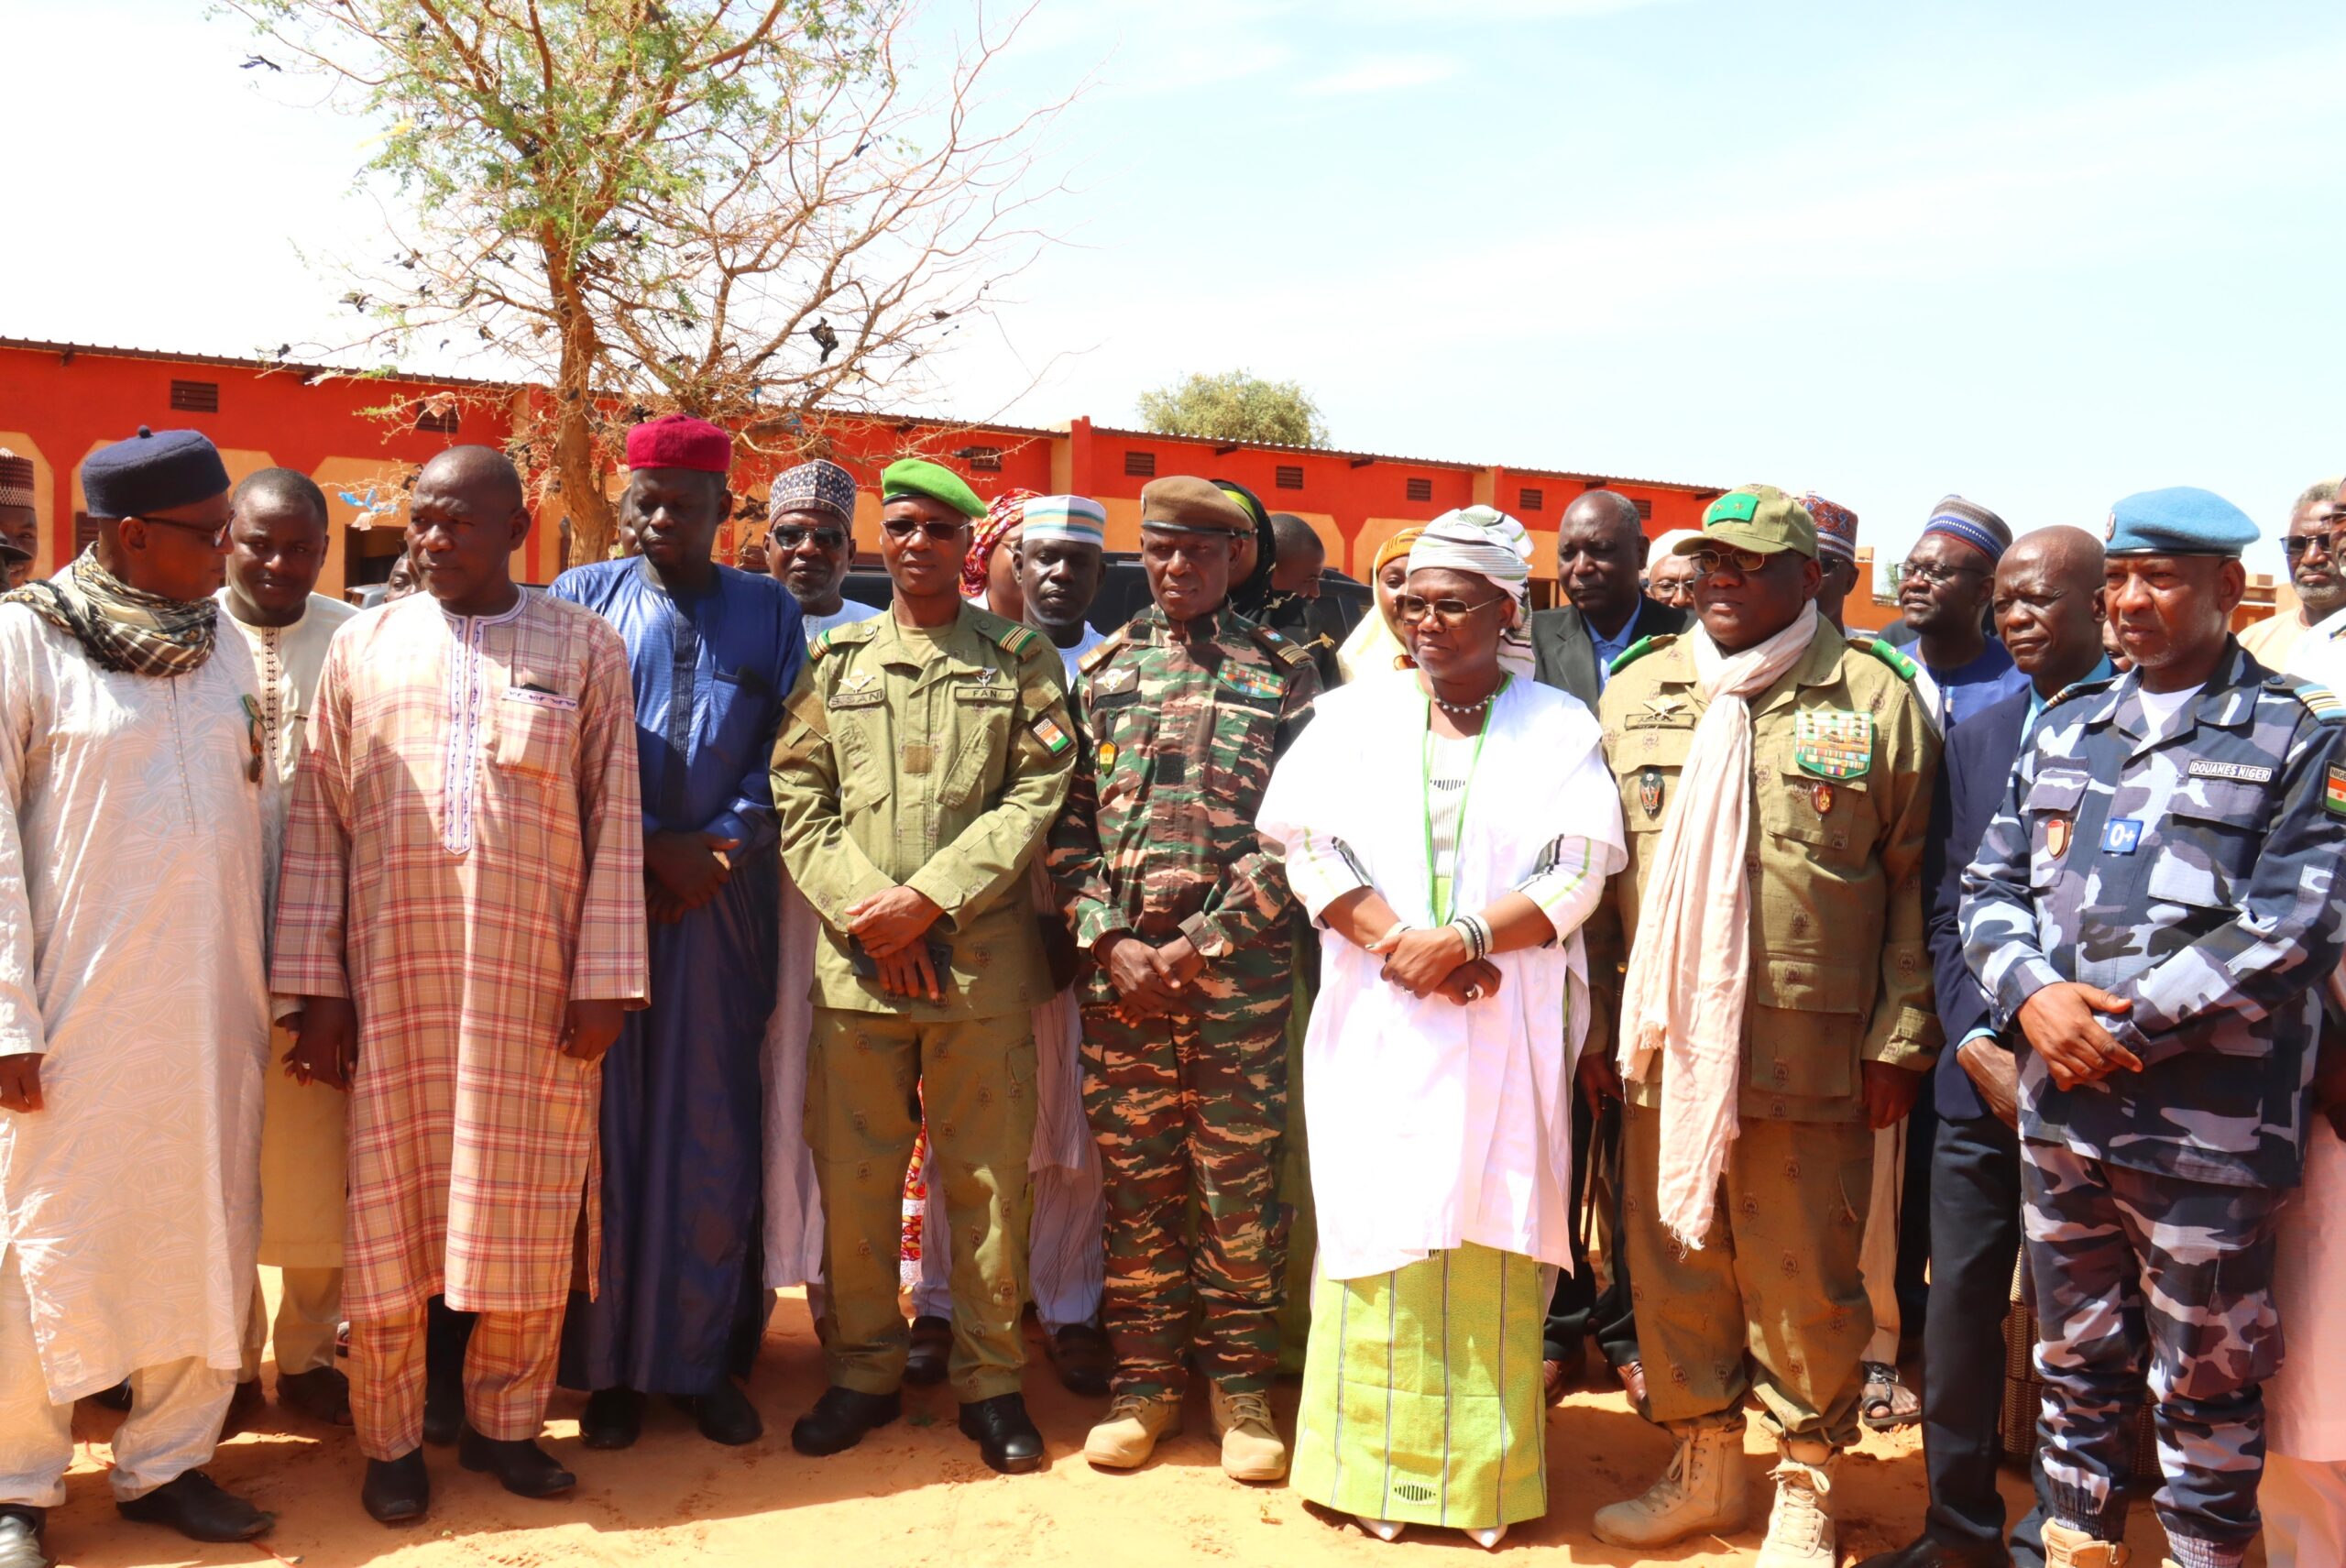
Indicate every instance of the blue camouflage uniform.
{"type": "Point", "coordinates": [2193, 873]}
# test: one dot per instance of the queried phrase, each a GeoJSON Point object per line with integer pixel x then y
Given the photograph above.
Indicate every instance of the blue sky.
{"type": "Point", "coordinates": [2041, 255]}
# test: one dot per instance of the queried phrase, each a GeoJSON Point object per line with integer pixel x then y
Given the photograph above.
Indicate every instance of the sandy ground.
{"type": "Point", "coordinates": [915, 1492]}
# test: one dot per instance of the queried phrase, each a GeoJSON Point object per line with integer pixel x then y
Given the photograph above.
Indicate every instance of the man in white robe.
{"type": "Point", "coordinates": [277, 547]}
{"type": "Point", "coordinates": [133, 1017]}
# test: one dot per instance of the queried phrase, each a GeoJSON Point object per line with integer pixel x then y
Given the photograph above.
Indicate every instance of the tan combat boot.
{"type": "Point", "coordinates": [1126, 1438]}
{"type": "Point", "coordinates": [1251, 1449]}
{"type": "Point", "coordinates": [1702, 1490]}
{"type": "Point", "coordinates": [1800, 1525]}
{"type": "Point", "coordinates": [2068, 1547]}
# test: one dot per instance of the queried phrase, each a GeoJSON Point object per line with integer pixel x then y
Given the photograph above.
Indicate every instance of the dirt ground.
{"type": "Point", "coordinates": [915, 1492]}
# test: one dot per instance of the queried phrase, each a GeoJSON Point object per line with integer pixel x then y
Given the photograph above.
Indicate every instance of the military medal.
{"type": "Point", "coordinates": [1820, 795]}
{"type": "Point", "coordinates": [2056, 836]}
{"type": "Point", "coordinates": [1107, 754]}
{"type": "Point", "coordinates": [1650, 792]}
{"type": "Point", "coordinates": [1833, 743]}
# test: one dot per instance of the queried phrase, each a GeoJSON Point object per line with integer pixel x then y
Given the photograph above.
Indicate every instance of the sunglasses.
{"type": "Point", "coordinates": [1725, 558]}
{"type": "Point", "coordinates": [2295, 548]}
{"type": "Point", "coordinates": [218, 535]}
{"type": "Point", "coordinates": [823, 538]}
{"type": "Point", "coordinates": [1411, 608]}
{"type": "Point", "coordinates": [939, 533]}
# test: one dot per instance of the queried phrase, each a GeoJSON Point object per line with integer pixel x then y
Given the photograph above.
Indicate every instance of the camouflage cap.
{"type": "Point", "coordinates": [1756, 517]}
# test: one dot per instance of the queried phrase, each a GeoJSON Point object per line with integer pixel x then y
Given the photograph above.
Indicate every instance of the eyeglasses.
{"type": "Point", "coordinates": [1715, 557]}
{"type": "Point", "coordinates": [1933, 574]}
{"type": "Point", "coordinates": [1450, 612]}
{"type": "Point", "coordinates": [2295, 547]}
{"type": "Point", "coordinates": [939, 533]}
{"type": "Point", "coordinates": [218, 534]}
{"type": "Point", "coordinates": [824, 538]}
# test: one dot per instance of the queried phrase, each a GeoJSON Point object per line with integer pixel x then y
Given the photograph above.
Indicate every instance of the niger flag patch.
{"type": "Point", "coordinates": [1055, 740]}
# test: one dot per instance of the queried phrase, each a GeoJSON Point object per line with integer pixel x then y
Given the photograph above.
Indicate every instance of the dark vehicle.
{"type": "Point", "coordinates": [1343, 600]}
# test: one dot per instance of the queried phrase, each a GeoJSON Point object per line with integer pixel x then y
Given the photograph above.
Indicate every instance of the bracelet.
{"type": "Point", "coordinates": [1476, 932]}
{"type": "Point", "coordinates": [1392, 935]}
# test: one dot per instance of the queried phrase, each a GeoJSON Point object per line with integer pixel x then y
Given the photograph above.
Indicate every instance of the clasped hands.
{"type": "Point", "coordinates": [1435, 961]}
{"type": "Point", "coordinates": [894, 928]}
{"type": "Point", "coordinates": [325, 1038]}
{"type": "Point", "coordinates": [683, 872]}
{"type": "Point", "coordinates": [1150, 981]}
{"type": "Point", "coordinates": [2064, 1025]}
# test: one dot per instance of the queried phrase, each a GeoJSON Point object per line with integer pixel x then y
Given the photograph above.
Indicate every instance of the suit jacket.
{"type": "Point", "coordinates": [1975, 771]}
{"type": "Point", "coordinates": [1563, 656]}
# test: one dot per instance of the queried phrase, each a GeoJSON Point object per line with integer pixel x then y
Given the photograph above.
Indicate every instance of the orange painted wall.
{"type": "Point", "coordinates": [58, 403]}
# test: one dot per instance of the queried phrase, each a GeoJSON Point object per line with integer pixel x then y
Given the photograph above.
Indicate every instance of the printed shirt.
{"type": "Point", "coordinates": [1159, 831]}
{"type": "Point", "coordinates": [2195, 875]}
{"type": "Point", "coordinates": [1611, 648]}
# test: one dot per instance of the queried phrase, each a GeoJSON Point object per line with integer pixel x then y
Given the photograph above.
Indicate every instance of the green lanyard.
{"type": "Point", "coordinates": [1465, 793]}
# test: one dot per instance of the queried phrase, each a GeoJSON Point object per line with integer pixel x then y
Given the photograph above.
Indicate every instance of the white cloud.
{"type": "Point", "coordinates": [1382, 74]}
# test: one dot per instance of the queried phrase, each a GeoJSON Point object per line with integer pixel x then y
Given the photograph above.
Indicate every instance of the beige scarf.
{"type": "Point", "coordinates": [1691, 965]}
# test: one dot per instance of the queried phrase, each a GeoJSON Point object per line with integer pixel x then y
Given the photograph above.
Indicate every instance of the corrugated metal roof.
{"type": "Point", "coordinates": [1459, 464]}
{"type": "Point", "coordinates": [172, 356]}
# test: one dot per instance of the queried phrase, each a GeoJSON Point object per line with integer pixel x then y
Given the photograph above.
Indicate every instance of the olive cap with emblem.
{"type": "Point", "coordinates": [1756, 517]}
{"type": "Point", "coordinates": [1183, 503]}
{"type": "Point", "coordinates": [2179, 521]}
{"type": "Point", "coordinates": [931, 481]}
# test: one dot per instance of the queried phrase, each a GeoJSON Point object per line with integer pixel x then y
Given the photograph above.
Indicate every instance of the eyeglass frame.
{"type": "Point", "coordinates": [219, 535]}
{"type": "Point", "coordinates": [902, 529]}
{"type": "Point", "coordinates": [1450, 619]}
{"type": "Point", "coordinates": [828, 535]}
{"type": "Point", "coordinates": [1934, 574]}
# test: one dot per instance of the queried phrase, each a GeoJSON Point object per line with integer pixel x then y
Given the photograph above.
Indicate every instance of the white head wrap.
{"type": "Point", "coordinates": [1480, 540]}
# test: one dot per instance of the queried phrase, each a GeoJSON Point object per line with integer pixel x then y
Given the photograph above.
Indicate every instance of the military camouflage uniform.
{"type": "Point", "coordinates": [2195, 876]}
{"type": "Point", "coordinates": [1158, 839]}
{"type": "Point", "coordinates": [1844, 761]}
{"type": "Point", "coordinates": [933, 759]}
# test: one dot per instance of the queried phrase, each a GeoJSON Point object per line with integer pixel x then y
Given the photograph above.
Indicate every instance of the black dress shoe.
{"type": "Point", "coordinates": [613, 1419]}
{"type": "Point", "coordinates": [520, 1465]}
{"type": "Point", "coordinates": [1007, 1436]}
{"type": "Point", "coordinates": [243, 1405]}
{"type": "Point", "coordinates": [191, 1504]}
{"type": "Point", "coordinates": [925, 1363]}
{"type": "Point", "coordinates": [21, 1529]}
{"type": "Point", "coordinates": [840, 1420]}
{"type": "Point", "coordinates": [443, 1411]}
{"type": "Point", "coordinates": [725, 1415]}
{"type": "Point", "coordinates": [1083, 1358]}
{"type": "Point", "coordinates": [323, 1394]}
{"type": "Point", "coordinates": [397, 1490]}
{"type": "Point", "coordinates": [1929, 1553]}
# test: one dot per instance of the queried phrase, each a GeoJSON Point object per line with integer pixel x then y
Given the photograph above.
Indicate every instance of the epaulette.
{"type": "Point", "coordinates": [1019, 641]}
{"type": "Point", "coordinates": [2319, 700]}
{"type": "Point", "coordinates": [1100, 655]}
{"type": "Point", "coordinates": [2081, 688]}
{"type": "Point", "coordinates": [1640, 648]}
{"type": "Point", "coordinates": [1906, 668]}
{"type": "Point", "coordinates": [846, 636]}
{"type": "Point", "coordinates": [1283, 649]}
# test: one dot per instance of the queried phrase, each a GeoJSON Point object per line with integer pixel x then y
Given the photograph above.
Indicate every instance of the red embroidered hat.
{"type": "Point", "coordinates": [679, 440]}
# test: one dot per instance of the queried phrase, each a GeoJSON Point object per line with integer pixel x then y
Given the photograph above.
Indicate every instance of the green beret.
{"type": "Point", "coordinates": [1182, 503]}
{"type": "Point", "coordinates": [933, 481]}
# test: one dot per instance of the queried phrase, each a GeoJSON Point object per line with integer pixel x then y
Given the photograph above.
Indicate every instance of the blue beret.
{"type": "Point", "coordinates": [2181, 520]}
{"type": "Point", "coordinates": [153, 471]}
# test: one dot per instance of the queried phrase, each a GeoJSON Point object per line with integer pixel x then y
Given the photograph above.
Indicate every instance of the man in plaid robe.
{"type": "Point", "coordinates": [461, 919]}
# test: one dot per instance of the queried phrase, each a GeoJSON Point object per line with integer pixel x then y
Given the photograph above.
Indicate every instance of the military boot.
{"type": "Point", "coordinates": [1251, 1447]}
{"type": "Point", "coordinates": [2066, 1547]}
{"type": "Point", "coordinates": [1126, 1438]}
{"type": "Point", "coordinates": [1800, 1525]}
{"type": "Point", "coordinates": [1703, 1490]}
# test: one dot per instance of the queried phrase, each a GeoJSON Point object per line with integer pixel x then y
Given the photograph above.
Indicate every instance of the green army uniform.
{"type": "Point", "coordinates": [1843, 762]}
{"type": "Point", "coordinates": [934, 759]}
{"type": "Point", "coordinates": [1158, 840]}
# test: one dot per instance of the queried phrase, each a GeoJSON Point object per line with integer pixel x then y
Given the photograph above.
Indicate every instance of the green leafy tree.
{"type": "Point", "coordinates": [1235, 405]}
{"type": "Point", "coordinates": [745, 211]}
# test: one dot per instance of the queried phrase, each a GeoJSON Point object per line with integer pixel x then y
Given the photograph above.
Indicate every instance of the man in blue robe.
{"type": "Point", "coordinates": [713, 652]}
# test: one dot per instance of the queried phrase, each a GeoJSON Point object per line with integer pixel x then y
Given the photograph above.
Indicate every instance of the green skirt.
{"type": "Point", "coordinates": [1421, 1393]}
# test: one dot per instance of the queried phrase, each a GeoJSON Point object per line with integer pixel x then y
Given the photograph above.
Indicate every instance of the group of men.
{"type": "Point", "coordinates": [551, 975]}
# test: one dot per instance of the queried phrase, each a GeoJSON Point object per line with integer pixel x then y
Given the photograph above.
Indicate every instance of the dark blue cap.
{"type": "Point", "coordinates": [2180, 521]}
{"type": "Point", "coordinates": [153, 471]}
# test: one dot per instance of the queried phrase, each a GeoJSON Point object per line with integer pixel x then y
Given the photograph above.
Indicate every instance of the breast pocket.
{"type": "Point", "coordinates": [537, 734]}
{"type": "Point", "coordinates": [2209, 843]}
{"type": "Point", "coordinates": [983, 716]}
{"type": "Point", "coordinates": [860, 746]}
{"type": "Point", "coordinates": [1646, 765]}
{"type": "Point", "coordinates": [2049, 811]}
{"type": "Point", "coordinates": [1243, 739]}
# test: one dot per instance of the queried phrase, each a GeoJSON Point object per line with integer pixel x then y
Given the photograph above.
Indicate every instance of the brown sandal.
{"type": "Point", "coordinates": [1887, 1404]}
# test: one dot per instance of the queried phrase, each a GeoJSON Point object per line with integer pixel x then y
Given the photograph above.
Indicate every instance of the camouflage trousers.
{"type": "Point", "coordinates": [2129, 1265]}
{"type": "Point", "coordinates": [1192, 1110]}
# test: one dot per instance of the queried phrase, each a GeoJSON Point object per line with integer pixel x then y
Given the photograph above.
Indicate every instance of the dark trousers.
{"type": "Point", "coordinates": [1578, 1310]}
{"type": "Point", "coordinates": [1975, 1242]}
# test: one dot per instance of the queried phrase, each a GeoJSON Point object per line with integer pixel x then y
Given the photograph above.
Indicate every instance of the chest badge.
{"type": "Point", "coordinates": [2333, 795]}
{"type": "Point", "coordinates": [1649, 793]}
{"type": "Point", "coordinates": [2121, 836]}
{"type": "Point", "coordinates": [2056, 835]}
{"type": "Point", "coordinates": [1820, 795]}
{"type": "Point", "coordinates": [1114, 681]}
{"type": "Point", "coordinates": [1833, 743]}
{"type": "Point", "coordinates": [1107, 755]}
{"type": "Point", "coordinates": [862, 680]}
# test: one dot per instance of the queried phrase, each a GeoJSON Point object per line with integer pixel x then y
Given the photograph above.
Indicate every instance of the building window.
{"type": "Point", "coordinates": [1418, 490]}
{"type": "Point", "coordinates": [1645, 509]}
{"type": "Point", "coordinates": [1529, 500]}
{"type": "Point", "coordinates": [1288, 476]}
{"type": "Point", "coordinates": [196, 397]}
{"type": "Point", "coordinates": [439, 421]}
{"type": "Point", "coordinates": [982, 459]}
{"type": "Point", "coordinates": [1140, 465]}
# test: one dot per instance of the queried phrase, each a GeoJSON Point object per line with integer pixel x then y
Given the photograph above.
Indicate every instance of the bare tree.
{"type": "Point", "coordinates": [745, 211]}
